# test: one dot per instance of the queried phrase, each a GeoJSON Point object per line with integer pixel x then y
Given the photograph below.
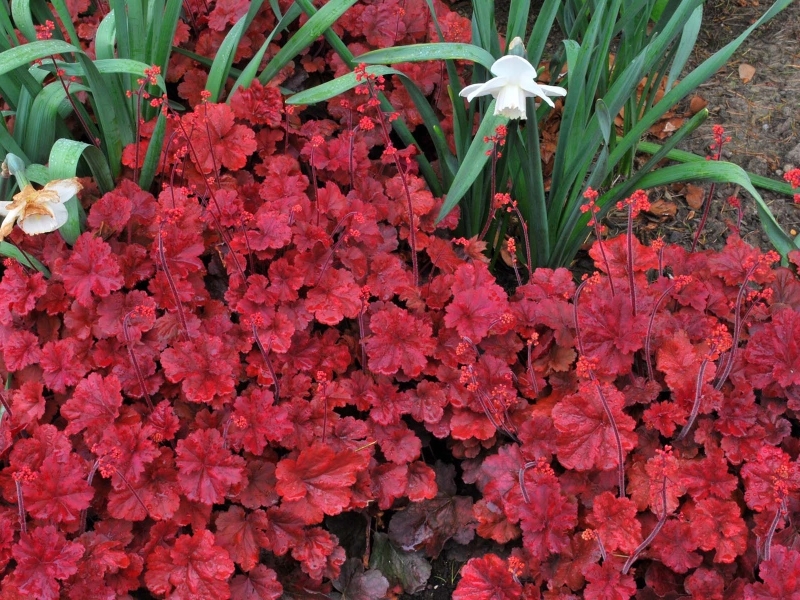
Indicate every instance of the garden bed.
{"type": "Point", "coordinates": [275, 373]}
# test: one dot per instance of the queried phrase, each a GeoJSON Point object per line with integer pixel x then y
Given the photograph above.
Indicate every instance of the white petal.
{"type": "Point", "coordinates": [38, 224]}
{"type": "Point", "coordinates": [469, 89]}
{"type": "Point", "coordinates": [493, 87]}
{"type": "Point", "coordinates": [8, 224]}
{"type": "Point", "coordinates": [511, 103]}
{"type": "Point", "coordinates": [534, 89]}
{"type": "Point", "coordinates": [513, 67]}
{"type": "Point", "coordinates": [65, 188]}
{"type": "Point", "coordinates": [3, 209]}
{"type": "Point", "coordinates": [552, 90]}
{"type": "Point", "coordinates": [61, 214]}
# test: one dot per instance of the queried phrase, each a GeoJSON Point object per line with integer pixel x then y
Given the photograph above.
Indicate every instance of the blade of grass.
{"type": "Point", "coordinates": [26, 259]}
{"type": "Point", "coordinates": [153, 155]}
{"type": "Point", "coordinates": [45, 120]}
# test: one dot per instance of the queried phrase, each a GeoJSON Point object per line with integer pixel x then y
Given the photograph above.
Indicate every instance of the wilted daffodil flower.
{"type": "Point", "coordinates": [39, 211]}
{"type": "Point", "coordinates": [514, 81]}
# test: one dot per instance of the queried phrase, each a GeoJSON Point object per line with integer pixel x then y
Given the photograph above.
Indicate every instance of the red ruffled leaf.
{"type": "Point", "coordinates": [606, 582]}
{"type": "Point", "coordinates": [94, 405]}
{"type": "Point", "coordinates": [259, 584]}
{"type": "Point", "coordinates": [242, 535]}
{"type": "Point", "coordinates": [781, 576]}
{"type": "Point", "coordinates": [206, 469]}
{"type": "Point", "coordinates": [195, 567]}
{"type": "Point", "coordinates": [90, 270]}
{"type": "Point", "coordinates": [205, 367]}
{"type": "Point", "coordinates": [616, 524]}
{"type": "Point", "coordinates": [59, 492]}
{"type": "Point", "coordinates": [398, 341]}
{"type": "Point", "coordinates": [487, 578]}
{"type": "Point", "coordinates": [44, 557]}
{"type": "Point", "coordinates": [318, 481]}
{"type": "Point", "coordinates": [586, 437]}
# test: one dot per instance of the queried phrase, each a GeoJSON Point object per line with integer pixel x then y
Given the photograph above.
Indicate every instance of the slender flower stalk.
{"type": "Point", "coordinates": [636, 203]}
{"type": "Point", "coordinates": [779, 513]}
{"type": "Point", "coordinates": [719, 141]}
{"type": "Point", "coordinates": [370, 85]}
{"type": "Point", "coordinates": [719, 342]}
{"type": "Point", "coordinates": [724, 371]}
{"type": "Point", "coordinates": [129, 342]}
{"type": "Point", "coordinates": [591, 206]}
{"type": "Point", "coordinates": [585, 368]}
{"type": "Point", "coordinates": [255, 322]}
{"type": "Point", "coordinates": [162, 257]}
{"type": "Point", "coordinates": [661, 519]}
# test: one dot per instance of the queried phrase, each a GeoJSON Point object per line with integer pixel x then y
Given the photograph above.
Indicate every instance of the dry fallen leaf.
{"type": "Point", "coordinates": [746, 72]}
{"type": "Point", "coordinates": [696, 104]}
{"type": "Point", "coordinates": [663, 209]}
{"type": "Point", "coordinates": [695, 196]}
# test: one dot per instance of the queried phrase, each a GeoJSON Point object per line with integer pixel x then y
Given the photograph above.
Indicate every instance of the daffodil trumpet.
{"type": "Point", "coordinates": [36, 211]}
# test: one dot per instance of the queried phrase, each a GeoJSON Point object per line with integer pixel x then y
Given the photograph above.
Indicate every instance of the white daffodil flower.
{"type": "Point", "coordinates": [39, 211]}
{"type": "Point", "coordinates": [514, 81]}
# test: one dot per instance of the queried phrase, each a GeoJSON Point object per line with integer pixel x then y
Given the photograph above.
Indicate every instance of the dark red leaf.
{"type": "Point", "coordinates": [487, 578]}
{"type": "Point", "coordinates": [206, 469]}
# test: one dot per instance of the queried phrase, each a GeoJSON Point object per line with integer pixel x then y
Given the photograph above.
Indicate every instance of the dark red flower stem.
{"type": "Point", "coordinates": [648, 540]}
{"type": "Point", "coordinates": [772, 528]}
{"type": "Point", "coordinates": [129, 342]}
{"type": "Point", "coordinates": [606, 408]}
{"type": "Point", "coordinates": [707, 204]}
{"type": "Point", "coordinates": [738, 322]}
{"type": "Point", "coordinates": [531, 373]}
{"type": "Point", "coordinates": [178, 305]}
{"type": "Point", "coordinates": [629, 241]}
{"type": "Point", "coordinates": [649, 336]}
{"type": "Point", "coordinates": [267, 361]}
{"type": "Point", "coordinates": [23, 525]}
{"type": "Point", "coordinates": [698, 400]}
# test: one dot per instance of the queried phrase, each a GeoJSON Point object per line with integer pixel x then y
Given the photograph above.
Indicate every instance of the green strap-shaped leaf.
{"type": "Point", "coordinates": [251, 70]}
{"type": "Point", "coordinates": [9, 144]}
{"type": "Point", "coordinates": [27, 53]}
{"type": "Point", "coordinates": [723, 172]}
{"type": "Point", "coordinates": [473, 163]}
{"type": "Point", "coordinates": [765, 183]}
{"type": "Point", "coordinates": [44, 119]}
{"type": "Point", "coordinates": [220, 68]}
{"type": "Point", "coordinates": [105, 37]}
{"type": "Point", "coordinates": [423, 52]}
{"type": "Point", "coordinates": [153, 156]}
{"type": "Point", "coordinates": [63, 163]}
{"type": "Point", "coordinates": [66, 20]}
{"type": "Point", "coordinates": [334, 87]}
{"type": "Point", "coordinates": [517, 20]}
{"type": "Point", "coordinates": [305, 36]}
{"type": "Point", "coordinates": [23, 258]}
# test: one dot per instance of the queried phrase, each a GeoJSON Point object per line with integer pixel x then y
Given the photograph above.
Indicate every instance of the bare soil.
{"type": "Point", "coordinates": [762, 117]}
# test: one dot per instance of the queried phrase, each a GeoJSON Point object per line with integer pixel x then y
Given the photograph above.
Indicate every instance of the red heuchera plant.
{"type": "Point", "coordinates": [219, 384]}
